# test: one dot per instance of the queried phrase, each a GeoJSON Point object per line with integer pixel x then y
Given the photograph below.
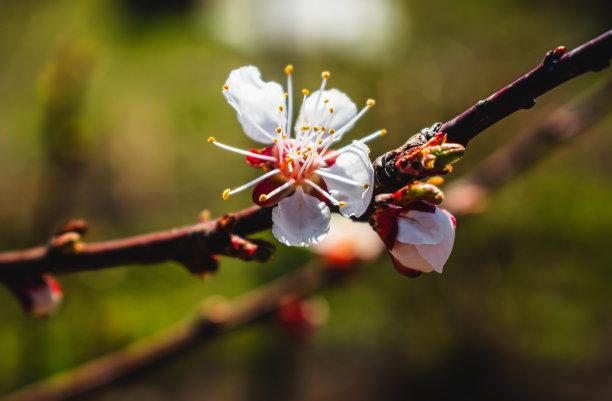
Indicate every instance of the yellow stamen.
{"type": "Point", "coordinates": [315, 128]}
{"type": "Point", "coordinates": [383, 132]}
{"type": "Point", "coordinates": [366, 186]}
{"type": "Point", "coordinates": [309, 148]}
{"type": "Point", "coordinates": [211, 139]}
{"type": "Point", "coordinates": [305, 92]}
{"type": "Point", "coordinates": [275, 140]}
{"type": "Point", "coordinates": [279, 130]}
{"type": "Point", "coordinates": [371, 102]}
{"type": "Point", "coordinates": [305, 127]}
{"type": "Point", "coordinates": [280, 108]}
{"type": "Point", "coordinates": [298, 153]}
{"type": "Point", "coordinates": [320, 141]}
{"type": "Point", "coordinates": [288, 69]}
{"type": "Point", "coordinates": [263, 198]}
{"type": "Point", "coordinates": [325, 74]}
{"type": "Point", "coordinates": [326, 101]}
{"type": "Point", "coordinates": [322, 128]}
{"type": "Point", "coordinates": [331, 110]}
{"type": "Point", "coordinates": [226, 194]}
{"type": "Point", "coordinates": [284, 136]}
{"type": "Point", "coordinates": [225, 87]}
{"type": "Point", "coordinates": [285, 95]}
{"type": "Point", "coordinates": [341, 204]}
{"type": "Point", "coordinates": [331, 131]}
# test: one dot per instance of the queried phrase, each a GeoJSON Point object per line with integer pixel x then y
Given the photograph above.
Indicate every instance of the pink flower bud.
{"type": "Point", "coordinates": [419, 237]}
{"type": "Point", "coordinates": [39, 296]}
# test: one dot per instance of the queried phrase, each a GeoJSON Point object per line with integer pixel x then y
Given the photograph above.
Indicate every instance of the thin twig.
{"type": "Point", "coordinates": [468, 194]}
{"type": "Point", "coordinates": [556, 68]}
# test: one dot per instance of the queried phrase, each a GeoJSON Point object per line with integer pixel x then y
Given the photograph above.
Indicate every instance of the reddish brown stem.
{"type": "Point", "coordinates": [178, 244]}
{"type": "Point", "coordinates": [555, 69]}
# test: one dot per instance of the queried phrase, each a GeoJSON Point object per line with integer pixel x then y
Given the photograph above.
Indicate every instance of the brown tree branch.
{"type": "Point", "coordinates": [193, 244]}
{"type": "Point", "coordinates": [468, 194]}
{"type": "Point", "coordinates": [556, 68]}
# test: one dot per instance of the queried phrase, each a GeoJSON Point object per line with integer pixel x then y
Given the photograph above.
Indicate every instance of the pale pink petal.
{"type": "Point", "coordinates": [256, 102]}
{"type": "Point", "coordinates": [409, 256]}
{"type": "Point", "coordinates": [300, 220]}
{"type": "Point", "coordinates": [437, 255]}
{"type": "Point", "coordinates": [355, 165]}
{"type": "Point", "coordinates": [317, 113]}
{"type": "Point", "coordinates": [424, 240]}
{"type": "Point", "coordinates": [416, 227]}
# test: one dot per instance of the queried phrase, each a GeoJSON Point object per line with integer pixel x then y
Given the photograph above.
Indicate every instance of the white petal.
{"type": "Point", "coordinates": [255, 101]}
{"type": "Point", "coordinates": [437, 255]}
{"type": "Point", "coordinates": [313, 113]}
{"type": "Point", "coordinates": [428, 236]}
{"type": "Point", "coordinates": [409, 256]}
{"type": "Point", "coordinates": [416, 227]}
{"type": "Point", "coordinates": [300, 220]}
{"type": "Point", "coordinates": [354, 164]}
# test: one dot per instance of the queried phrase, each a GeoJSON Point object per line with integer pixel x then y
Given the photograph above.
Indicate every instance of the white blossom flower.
{"type": "Point", "coordinates": [419, 237]}
{"type": "Point", "coordinates": [424, 240]}
{"type": "Point", "coordinates": [303, 176]}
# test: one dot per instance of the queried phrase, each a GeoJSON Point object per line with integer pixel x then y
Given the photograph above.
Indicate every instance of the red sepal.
{"type": "Point", "coordinates": [269, 151]}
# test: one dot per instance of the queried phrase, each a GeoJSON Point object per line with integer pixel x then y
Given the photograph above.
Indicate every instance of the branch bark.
{"type": "Point", "coordinates": [468, 194]}
{"type": "Point", "coordinates": [556, 68]}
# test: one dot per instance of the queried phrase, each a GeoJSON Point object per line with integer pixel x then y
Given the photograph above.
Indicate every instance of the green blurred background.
{"type": "Point", "coordinates": [105, 109]}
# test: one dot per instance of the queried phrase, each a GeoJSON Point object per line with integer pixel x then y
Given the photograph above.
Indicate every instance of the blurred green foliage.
{"type": "Point", "coordinates": [523, 309]}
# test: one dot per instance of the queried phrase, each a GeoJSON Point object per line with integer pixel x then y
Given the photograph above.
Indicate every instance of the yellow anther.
{"type": "Point", "coordinates": [280, 108]}
{"type": "Point", "coordinates": [284, 136]}
{"type": "Point", "coordinates": [322, 128]}
{"type": "Point", "coordinates": [211, 139]}
{"type": "Point", "coordinates": [320, 141]}
{"type": "Point", "coordinates": [383, 132]}
{"type": "Point", "coordinates": [226, 194]}
{"type": "Point", "coordinates": [279, 130]}
{"type": "Point", "coordinates": [331, 110]}
{"type": "Point", "coordinates": [331, 131]}
{"type": "Point", "coordinates": [326, 101]}
{"type": "Point", "coordinates": [325, 74]}
{"type": "Point", "coordinates": [305, 92]}
{"type": "Point", "coordinates": [286, 95]}
{"type": "Point", "coordinates": [305, 127]}
{"type": "Point", "coordinates": [288, 159]}
{"type": "Point", "coordinates": [288, 69]}
{"type": "Point", "coordinates": [315, 128]}
{"type": "Point", "coordinates": [298, 153]}
{"type": "Point", "coordinates": [309, 148]}
{"type": "Point", "coordinates": [371, 102]}
{"type": "Point", "coordinates": [366, 186]}
{"type": "Point", "coordinates": [225, 87]}
{"type": "Point", "coordinates": [275, 140]}
{"type": "Point", "coordinates": [341, 204]}
{"type": "Point", "coordinates": [263, 198]}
